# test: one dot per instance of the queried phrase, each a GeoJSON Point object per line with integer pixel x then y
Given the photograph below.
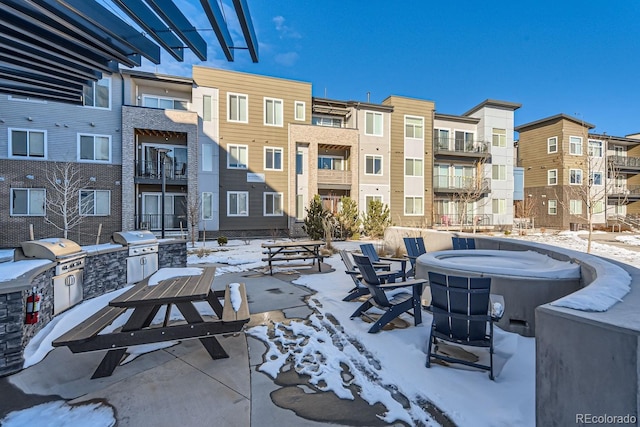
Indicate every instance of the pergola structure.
{"type": "Point", "coordinates": [52, 49]}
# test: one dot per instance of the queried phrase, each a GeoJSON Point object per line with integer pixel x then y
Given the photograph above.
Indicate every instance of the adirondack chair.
{"type": "Point", "coordinates": [394, 306]}
{"type": "Point", "coordinates": [369, 250]}
{"type": "Point", "coordinates": [415, 247]}
{"type": "Point", "coordinates": [463, 243]}
{"type": "Point", "coordinates": [360, 288]}
{"type": "Point", "coordinates": [461, 313]}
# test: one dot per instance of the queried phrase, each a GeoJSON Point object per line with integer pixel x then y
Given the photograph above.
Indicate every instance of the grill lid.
{"type": "Point", "coordinates": [51, 249]}
{"type": "Point", "coordinates": [138, 237]}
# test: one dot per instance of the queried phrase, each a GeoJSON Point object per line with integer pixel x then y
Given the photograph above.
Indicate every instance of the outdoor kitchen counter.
{"type": "Point", "coordinates": [32, 268]}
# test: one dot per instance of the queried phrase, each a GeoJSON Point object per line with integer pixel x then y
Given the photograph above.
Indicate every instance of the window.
{"type": "Point", "coordinates": [165, 103]}
{"type": "Point", "coordinates": [552, 177]}
{"type": "Point", "coordinates": [373, 123]}
{"type": "Point", "coordinates": [595, 178]}
{"type": "Point", "coordinates": [575, 176]}
{"type": "Point", "coordinates": [273, 159]}
{"type": "Point", "coordinates": [95, 202]}
{"type": "Point", "coordinates": [326, 121]}
{"type": "Point", "coordinates": [207, 157]}
{"type": "Point", "coordinates": [207, 205]}
{"type": "Point", "coordinates": [499, 206]}
{"type": "Point", "coordinates": [372, 165]}
{"type": "Point", "coordinates": [272, 204]}
{"type": "Point", "coordinates": [207, 108]}
{"type": "Point", "coordinates": [575, 207]}
{"type": "Point", "coordinates": [413, 167]}
{"type": "Point", "coordinates": [98, 95]}
{"type": "Point", "coordinates": [272, 112]}
{"type": "Point", "coordinates": [499, 137]}
{"type": "Point", "coordinates": [595, 148]}
{"type": "Point", "coordinates": [369, 199]}
{"type": "Point", "coordinates": [332, 163]}
{"type": "Point", "coordinates": [299, 110]}
{"type": "Point", "coordinates": [237, 108]}
{"type": "Point", "coordinates": [463, 141]}
{"type": "Point", "coordinates": [28, 201]}
{"type": "Point", "coordinates": [597, 207]}
{"type": "Point", "coordinates": [94, 148]}
{"type": "Point", "coordinates": [237, 156]}
{"type": "Point", "coordinates": [499, 172]}
{"type": "Point", "coordinates": [442, 138]}
{"type": "Point", "coordinates": [552, 145]}
{"type": "Point", "coordinates": [553, 207]}
{"type": "Point", "coordinates": [299, 163]}
{"type": "Point", "coordinates": [413, 206]}
{"type": "Point", "coordinates": [575, 145]}
{"type": "Point", "coordinates": [28, 143]}
{"type": "Point", "coordinates": [413, 127]}
{"type": "Point", "coordinates": [237, 203]}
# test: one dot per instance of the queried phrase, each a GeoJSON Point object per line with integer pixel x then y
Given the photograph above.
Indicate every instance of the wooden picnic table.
{"type": "Point", "coordinates": [287, 251]}
{"type": "Point", "coordinates": [146, 300]}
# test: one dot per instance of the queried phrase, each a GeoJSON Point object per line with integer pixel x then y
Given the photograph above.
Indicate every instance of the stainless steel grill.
{"type": "Point", "coordinates": [69, 270]}
{"type": "Point", "coordinates": [142, 261]}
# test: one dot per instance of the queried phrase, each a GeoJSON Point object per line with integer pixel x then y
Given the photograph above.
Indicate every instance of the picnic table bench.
{"type": "Point", "coordinates": [288, 251]}
{"type": "Point", "coordinates": [146, 300]}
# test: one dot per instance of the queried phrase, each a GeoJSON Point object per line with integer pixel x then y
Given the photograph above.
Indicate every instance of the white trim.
{"type": "Point", "coordinates": [374, 114]}
{"type": "Point", "coordinates": [548, 146]}
{"type": "Point", "coordinates": [28, 190]}
{"type": "Point", "coordinates": [10, 148]}
{"type": "Point", "coordinates": [555, 207]}
{"type": "Point", "coordinates": [414, 200]}
{"type": "Point", "coordinates": [498, 134]}
{"type": "Point", "coordinates": [246, 97]}
{"type": "Point", "coordinates": [202, 205]}
{"type": "Point", "coordinates": [79, 138]}
{"type": "Point", "coordinates": [94, 95]}
{"type": "Point", "coordinates": [408, 116]}
{"type": "Point", "coordinates": [414, 166]}
{"type": "Point", "coordinates": [229, 156]}
{"type": "Point", "coordinates": [556, 177]}
{"type": "Point", "coordinates": [264, 203]}
{"type": "Point", "coordinates": [229, 193]}
{"type": "Point", "coordinates": [592, 181]}
{"type": "Point", "coordinates": [94, 202]}
{"type": "Point", "coordinates": [281, 108]}
{"type": "Point", "coordinates": [264, 163]}
{"type": "Point", "coordinates": [304, 110]}
{"type": "Point", "coordinates": [581, 177]}
{"type": "Point", "coordinates": [581, 145]}
{"type": "Point", "coordinates": [374, 156]}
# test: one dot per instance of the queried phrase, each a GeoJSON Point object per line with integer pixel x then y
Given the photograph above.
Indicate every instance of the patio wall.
{"type": "Point", "coordinates": [587, 363]}
{"type": "Point", "coordinates": [105, 271]}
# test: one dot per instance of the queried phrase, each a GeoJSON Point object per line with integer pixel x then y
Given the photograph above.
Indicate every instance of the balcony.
{"type": "Point", "coordinates": [624, 164]}
{"type": "Point", "coordinates": [149, 172]}
{"type": "Point", "coordinates": [460, 184]}
{"type": "Point", "coordinates": [337, 179]}
{"type": "Point", "coordinates": [623, 194]}
{"type": "Point", "coordinates": [460, 148]}
{"type": "Point", "coordinates": [153, 222]}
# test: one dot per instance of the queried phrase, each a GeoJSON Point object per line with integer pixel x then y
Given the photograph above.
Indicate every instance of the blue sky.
{"type": "Point", "coordinates": [574, 57]}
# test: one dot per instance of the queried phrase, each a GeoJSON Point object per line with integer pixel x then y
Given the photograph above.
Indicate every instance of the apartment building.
{"type": "Point", "coordinates": [38, 139]}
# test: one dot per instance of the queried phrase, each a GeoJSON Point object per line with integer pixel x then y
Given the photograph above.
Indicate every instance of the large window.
{"type": "Point", "coordinates": [442, 138]}
{"type": "Point", "coordinates": [596, 178]}
{"type": "Point", "coordinates": [28, 201]}
{"type": "Point", "coordinates": [299, 163]}
{"type": "Point", "coordinates": [207, 157]}
{"type": "Point", "coordinates": [333, 122]}
{"type": "Point", "coordinates": [499, 172]}
{"type": "Point", "coordinates": [165, 103]}
{"type": "Point", "coordinates": [237, 203]}
{"type": "Point", "coordinates": [463, 141]}
{"type": "Point", "coordinates": [413, 206]}
{"type": "Point", "coordinates": [413, 127]}
{"type": "Point", "coordinates": [95, 202]}
{"type": "Point", "coordinates": [552, 145]}
{"type": "Point", "coordinates": [373, 123]}
{"type": "Point", "coordinates": [238, 105]}
{"type": "Point", "coordinates": [575, 176]}
{"type": "Point", "coordinates": [552, 177]}
{"type": "Point", "coordinates": [272, 204]}
{"type": "Point", "coordinates": [273, 158]}
{"type": "Point", "coordinates": [98, 95]}
{"type": "Point", "coordinates": [372, 165]}
{"type": "Point", "coordinates": [299, 110]}
{"type": "Point", "coordinates": [28, 143]}
{"type": "Point", "coordinates": [499, 137]}
{"type": "Point", "coordinates": [237, 156]}
{"type": "Point", "coordinates": [575, 207]}
{"type": "Point", "coordinates": [553, 207]}
{"type": "Point", "coordinates": [595, 148]}
{"type": "Point", "coordinates": [413, 167]}
{"type": "Point", "coordinates": [207, 205]}
{"type": "Point", "coordinates": [499, 206]}
{"type": "Point", "coordinates": [575, 145]}
{"type": "Point", "coordinates": [597, 207]}
{"type": "Point", "coordinates": [207, 108]}
{"type": "Point", "coordinates": [273, 112]}
{"type": "Point", "coordinates": [332, 163]}
{"type": "Point", "coordinates": [94, 148]}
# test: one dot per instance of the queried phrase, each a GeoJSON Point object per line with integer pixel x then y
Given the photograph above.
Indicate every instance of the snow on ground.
{"type": "Point", "coordinates": [382, 365]}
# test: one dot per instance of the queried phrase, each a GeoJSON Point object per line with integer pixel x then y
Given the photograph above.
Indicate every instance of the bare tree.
{"type": "Point", "coordinates": [469, 191]}
{"type": "Point", "coordinates": [64, 206]}
{"type": "Point", "coordinates": [527, 209]}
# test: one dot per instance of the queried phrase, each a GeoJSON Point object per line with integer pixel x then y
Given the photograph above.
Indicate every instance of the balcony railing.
{"type": "Point", "coordinates": [153, 222]}
{"type": "Point", "coordinates": [329, 176]}
{"type": "Point", "coordinates": [624, 161]}
{"type": "Point", "coordinates": [151, 170]}
{"type": "Point", "coordinates": [467, 220]}
{"type": "Point", "coordinates": [452, 145]}
{"type": "Point", "coordinates": [451, 184]}
{"type": "Point", "coordinates": [625, 190]}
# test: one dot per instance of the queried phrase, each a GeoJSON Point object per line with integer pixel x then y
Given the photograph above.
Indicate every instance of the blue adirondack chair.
{"type": "Point", "coordinates": [393, 306]}
{"type": "Point", "coordinates": [463, 243]}
{"type": "Point", "coordinates": [415, 247]}
{"type": "Point", "coordinates": [369, 250]}
{"type": "Point", "coordinates": [460, 308]}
